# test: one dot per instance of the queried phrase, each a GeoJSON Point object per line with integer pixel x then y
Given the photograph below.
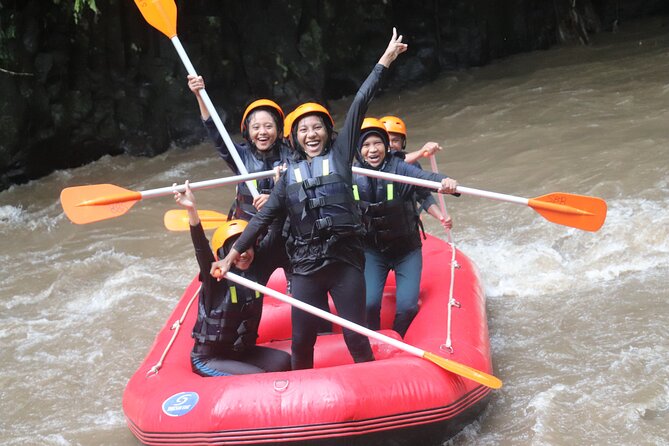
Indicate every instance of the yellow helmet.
{"type": "Point", "coordinates": [393, 124]}
{"type": "Point", "coordinates": [261, 103]}
{"type": "Point", "coordinates": [225, 232]}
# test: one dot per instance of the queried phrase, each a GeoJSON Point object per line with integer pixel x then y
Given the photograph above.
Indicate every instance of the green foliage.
{"type": "Point", "coordinates": [79, 5]}
{"type": "Point", "coordinates": [7, 33]}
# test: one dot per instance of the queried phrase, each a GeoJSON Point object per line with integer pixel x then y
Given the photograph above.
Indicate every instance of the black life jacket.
{"type": "Point", "coordinates": [232, 324]}
{"type": "Point", "coordinates": [391, 221]}
{"type": "Point", "coordinates": [243, 207]}
{"type": "Point", "coordinates": [320, 203]}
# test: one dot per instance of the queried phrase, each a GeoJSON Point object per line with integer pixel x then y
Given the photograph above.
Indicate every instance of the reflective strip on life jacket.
{"type": "Point", "coordinates": [233, 294]}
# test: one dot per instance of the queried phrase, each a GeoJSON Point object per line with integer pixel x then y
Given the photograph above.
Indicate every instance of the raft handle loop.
{"type": "Point", "coordinates": [446, 348]}
{"type": "Point", "coordinates": [175, 326]}
{"type": "Point", "coordinates": [454, 302]}
{"type": "Point", "coordinates": [281, 384]}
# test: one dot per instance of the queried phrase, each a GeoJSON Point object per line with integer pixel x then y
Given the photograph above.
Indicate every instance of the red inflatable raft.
{"type": "Point", "coordinates": [397, 399]}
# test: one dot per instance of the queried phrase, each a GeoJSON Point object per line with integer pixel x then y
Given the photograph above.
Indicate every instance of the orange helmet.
{"type": "Point", "coordinates": [373, 125]}
{"type": "Point", "coordinates": [265, 103]}
{"type": "Point", "coordinates": [288, 124]}
{"type": "Point", "coordinates": [225, 232]}
{"type": "Point", "coordinates": [394, 124]}
{"type": "Point", "coordinates": [306, 109]}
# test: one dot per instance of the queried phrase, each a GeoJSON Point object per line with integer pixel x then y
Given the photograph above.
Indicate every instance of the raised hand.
{"type": "Point", "coordinates": [187, 200]}
{"type": "Point", "coordinates": [195, 83]}
{"type": "Point", "coordinates": [395, 48]}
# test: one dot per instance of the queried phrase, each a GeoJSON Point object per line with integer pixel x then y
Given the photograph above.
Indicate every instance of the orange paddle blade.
{"type": "Point", "coordinates": [464, 371]}
{"type": "Point", "coordinates": [87, 204]}
{"type": "Point", "coordinates": [576, 211]}
{"type": "Point", "coordinates": [161, 14]}
{"type": "Point", "coordinates": [177, 219]}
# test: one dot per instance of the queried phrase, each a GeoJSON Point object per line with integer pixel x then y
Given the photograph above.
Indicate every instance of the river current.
{"type": "Point", "coordinates": [579, 321]}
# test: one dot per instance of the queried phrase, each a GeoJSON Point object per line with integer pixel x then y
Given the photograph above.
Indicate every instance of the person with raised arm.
{"type": "Point", "coordinates": [325, 242]}
{"type": "Point", "coordinates": [264, 148]}
{"type": "Point", "coordinates": [228, 316]}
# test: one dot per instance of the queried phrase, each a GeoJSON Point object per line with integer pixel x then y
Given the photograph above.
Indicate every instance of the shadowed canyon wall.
{"type": "Point", "coordinates": [77, 86]}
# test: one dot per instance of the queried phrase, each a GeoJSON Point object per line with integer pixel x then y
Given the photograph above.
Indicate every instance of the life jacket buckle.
{"type": "Point", "coordinates": [323, 223]}
{"type": "Point", "coordinates": [312, 182]}
{"type": "Point", "coordinates": [316, 202]}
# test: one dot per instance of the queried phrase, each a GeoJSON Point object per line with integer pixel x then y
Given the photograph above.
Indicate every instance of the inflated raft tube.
{"type": "Point", "coordinates": [398, 399]}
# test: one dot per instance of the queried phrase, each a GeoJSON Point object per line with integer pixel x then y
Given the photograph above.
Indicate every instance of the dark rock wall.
{"type": "Point", "coordinates": [74, 87]}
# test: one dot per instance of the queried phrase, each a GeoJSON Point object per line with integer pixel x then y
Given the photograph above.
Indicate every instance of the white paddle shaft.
{"type": "Point", "coordinates": [437, 185]}
{"type": "Point", "coordinates": [325, 315]}
{"type": "Point", "coordinates": [214, 116]}
{"type": "Point", "coordinates": [206, 184]}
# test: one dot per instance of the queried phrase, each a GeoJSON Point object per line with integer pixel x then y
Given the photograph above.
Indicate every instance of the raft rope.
{"type": "Point", "coordinates": [448, 345]}
{"type": "Point", "coordinates": [176, 326]}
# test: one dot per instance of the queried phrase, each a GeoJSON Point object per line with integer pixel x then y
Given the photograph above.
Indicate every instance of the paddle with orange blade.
{"type": "Point", "coordinates": [576, 211]}
{"type": "Point", "coordinates": [162, 15]}
{"type": "Point", "coordinates": [177, 219]}
{"type": "Point", "coordinates": [88, 204]}
{"type": "Point", "coordinates": [446, 364]}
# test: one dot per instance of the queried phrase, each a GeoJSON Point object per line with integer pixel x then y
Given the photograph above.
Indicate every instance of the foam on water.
{"type": "Point", "coordinates": [18, 217]}
{"type": "Point", "coordinates": [631, 243]}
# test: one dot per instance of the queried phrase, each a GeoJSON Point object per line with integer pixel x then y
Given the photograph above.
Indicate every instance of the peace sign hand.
{"type": "Point", "coordinates": [395, 48]}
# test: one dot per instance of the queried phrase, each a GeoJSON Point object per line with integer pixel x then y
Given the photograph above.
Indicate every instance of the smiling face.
{"type": "Point", "coordinates": [262, 130]}
{"type": "Point", "coordinates": [245, 259]}
{"type": "Point", "coordinates": [312, 135]}
{"type": "Point", "coordinates": [373, 150]}
{"type": "Point", "coordinates": [396, 141]}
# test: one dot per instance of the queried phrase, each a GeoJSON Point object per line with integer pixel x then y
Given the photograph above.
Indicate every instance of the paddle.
{"type": "Point", "coordinates": [435, 169]}
{"type": "Point", "coordinates": [447, 364]}
{"type": "Point", "coordinates": [576, 211]}
{"type": "Point", "coordinates": [162, 15]}
{"type": "Point", "coordinates": [177, 219]}
{"type": "Point", "coordinates": [88, 204]}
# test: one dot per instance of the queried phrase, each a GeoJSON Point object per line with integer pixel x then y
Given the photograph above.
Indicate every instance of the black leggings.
{"type": "Point", "coordinates": [346, 285]}
{"type": "Point", "coordinates": [253, 360]}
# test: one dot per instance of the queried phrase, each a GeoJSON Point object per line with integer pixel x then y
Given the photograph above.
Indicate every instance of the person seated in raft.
{"type": "Point", "coordinates": [264, 148]}
{"type": "Point", "coordinates": [325, 243]}
{"type": "Point", "coordinates": [390, 214]}
{"type": "Point", "coordinates": [397, 133]}
{"type": "Point", "coordinates": [228, 316]}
